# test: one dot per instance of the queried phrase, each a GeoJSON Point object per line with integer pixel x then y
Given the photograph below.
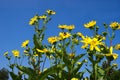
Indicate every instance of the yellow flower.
{"type": "Point", "coordinates": [64, 35]}
{"type": "Point", "coordinates": [50, 12]}
{"type": "Point", "coordinates": [42, 51]}
{"type": "Point", "coordinates": [115, 56]}
{"type": "Point", "coordinates": [6, 53]}
{"type": "Point", "coordinates": [74, 79]}
{"type": "Point", "coordinates": [86, 41]}
{"type": "Point", "coordinates": [94, 44]}
{"type": "Point", "coordinates": [80, 34]}
{"type": "Point", "coordinates": [35, 55]}
{"type": "Point", "coordinates": [53, 40]}
{"type": "Point", "coordinates": [117, 47]}
{"type": "Point", "coordinates": [79, 63]}
{"type": "Point", "coordinates": [70, 27]}
{"type": "Point", "coordinates": [33, 20]}
{"type": "Point", "coordinates": [114, 64]}
{"type": "Point", "coordinates": [90, 24]}
{"type": "Point", "coordinates": [16, 53]}
{"type": "Point", "coordinates": [115, 25]}
{"type": "Point", "coordinates": [62, 26]}
{"type": "Point", "coordinates": [43, 17]}
{"type": "Point", "coordinates": [72, 55]}
{"type": "Point", "coordinates": [111, 54]}
{"type": "Point", "coordinates": [25, 43]}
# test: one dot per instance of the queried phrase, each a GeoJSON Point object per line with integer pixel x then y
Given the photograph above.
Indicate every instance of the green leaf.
{"type": "Point", "coordinates": [76, 69]}
{"type": "Point", "coordinates": [77, 58]}
{"type": "Point", "coordinates": [15, 77]}
{"type": "Point", "coordinates": [36, 43]}
{"type": "Point", "coordinates": [49, 71]}
{"type": "Point", "coordinates": [27, 70]}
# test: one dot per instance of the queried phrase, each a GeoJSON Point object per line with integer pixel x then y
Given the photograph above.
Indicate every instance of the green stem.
{"type": "Point", "coordinates": [44, 63]}
{"type": "Point", "coordinates": [95, 70]}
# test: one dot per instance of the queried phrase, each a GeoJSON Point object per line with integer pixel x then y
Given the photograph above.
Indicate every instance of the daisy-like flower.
{"type": "Point", "coordinates": [50, 12]}
{"type": "Point", "coordinates": [71, 55]}
{"type": "Point", "coordinates": [74, 79]}
{"type": "Point", "coordinates": [94, 44]}
{"type": "Point", "coordinates": [43, 17]}
{"type": "Point", "coordinates": [90, 24]}
{"type": "Point", "coordinates": [115, 25]}
{"type": "Point", "coordinates": [62, 26]}
{"type": "Point", "coordinates": [64, 35]}
{"type": "Point", "coordinates": [117, 47]}
{"type": "Point", "coordinates": [33, 20]}
{"type": "Point", "coordinates": [6, 53]}
{"type": "Point", "coordinates": [16, 53]}
{"type": "Point", "coordinates": [25, 43]}
{"type": "Point", "coordinates": [53, 39]}
{"type": "Point", "coordinates": [70, 27]}
{"type": "Point", "coordinates": [86, 41]}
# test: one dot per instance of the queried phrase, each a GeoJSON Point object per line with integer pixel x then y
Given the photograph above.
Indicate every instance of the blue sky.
{"type": "Point", "coordinates": [15, 16]}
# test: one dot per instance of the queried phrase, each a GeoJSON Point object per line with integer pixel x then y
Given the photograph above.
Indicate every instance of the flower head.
{"type": "Point", "coordinates": [64, 35]}
{"type": "Point", "coordinates": [114, 55]}
{"type": "Point", "coordinates": [90, 24]}
{"type": "Point", "coordinates": [16, 53]}
{"type": "Point", "coordinates": [50, 12]}
{"type": "Point", "coordinates": [43, 17]}
{"type": "Point", "coordinates": [74, 79]}
{"type": "Point", "coordinates": [6, 53]}
{"type": "Point", "coordinates": [62, 26]}
{"type": "Point", "coordinates": [33, 20]}
{"type": "Point", "coordinates": [86, 41]}
{"type": "Point", "coordinates": [71, 55]}
{"type": "Point", "coordinates": [117, 47]}
{"type": "Point", "coordinates": [53, 39]}
{"type": "Point", "coordinates": [25, 43]}
{"type": "Point", "coordinates": [80, 34]}
{"type": "Point", "coordinates": [115, 25]}
{"type": "Point", "coordinates": [94, 44]}
{"type": "Point", "coordinates": [70, 27]}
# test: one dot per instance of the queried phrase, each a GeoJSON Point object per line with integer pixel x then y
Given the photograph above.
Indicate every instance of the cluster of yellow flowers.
{"type": "Point", "coordinates": [62, 35]}
{"type": "Point", "coordinates": [113, 25]}
{"type": "Point", "coordinates": [36, 18]}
